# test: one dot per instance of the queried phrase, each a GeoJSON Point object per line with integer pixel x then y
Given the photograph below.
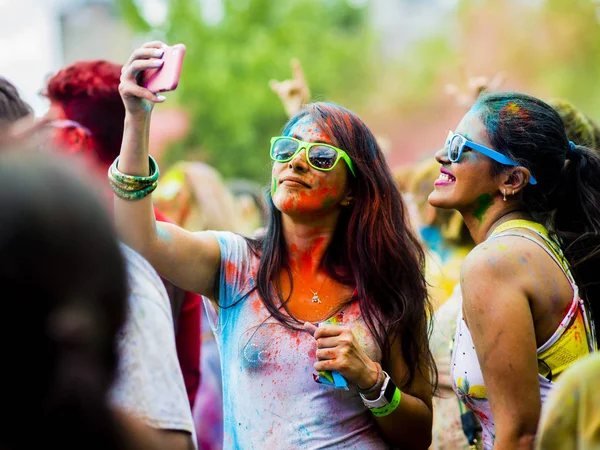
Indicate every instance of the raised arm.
{"type": "Point", "coordinates": [190, 260]}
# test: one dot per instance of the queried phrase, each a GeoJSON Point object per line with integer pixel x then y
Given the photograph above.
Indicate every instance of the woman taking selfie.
{"type": "Point", "coordinates": [337, 253]}
{"type": "Point", "coordinates": [530, 199]}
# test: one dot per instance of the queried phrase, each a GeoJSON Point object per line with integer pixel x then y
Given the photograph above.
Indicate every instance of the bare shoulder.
{"type": "Point", "coordinates": [499, 258]}
{"type": "Point", "coordinates": [494, 283]}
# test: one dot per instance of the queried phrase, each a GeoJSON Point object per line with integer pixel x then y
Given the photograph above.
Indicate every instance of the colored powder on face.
{"type": "Point", "coordinates": [273, 187]}
{"type": "Point", "coordinates": [484, 202]}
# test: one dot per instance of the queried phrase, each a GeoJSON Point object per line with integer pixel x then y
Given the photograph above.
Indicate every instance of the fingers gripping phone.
{"type": "Point", "coordinates": [166, 77]}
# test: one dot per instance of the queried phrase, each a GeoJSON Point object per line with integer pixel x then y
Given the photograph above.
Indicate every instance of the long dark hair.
{"type": "Point", "coordinates": [566, 198]}
{"type": "Point", "coordinates": [373, 248]}
{"type": "Point", "coordinates": [64, 287]}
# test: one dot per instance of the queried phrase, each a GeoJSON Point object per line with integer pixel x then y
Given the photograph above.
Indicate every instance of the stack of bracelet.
{"type": "Point", "coordinates": [131, 187]}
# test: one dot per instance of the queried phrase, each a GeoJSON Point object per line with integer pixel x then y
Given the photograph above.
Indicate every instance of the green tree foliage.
{"type": "Point", "coordinates": [224, 84]}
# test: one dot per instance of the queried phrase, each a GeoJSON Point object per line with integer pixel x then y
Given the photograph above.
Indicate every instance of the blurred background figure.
{"type": "Point", "coordinates": [12, 106]}
{"type": "Point", "coordinates": [84, 100]}
{"type": "Point", "coordinates": [63, 273]}
{"type": "Point", "coordinates": [250, 204]}
{"type": "Point", "coordinates": [443, 233]}
{"type": "Point", "coordinates": [194, 196]}
{"type": "Point", "coordinates": [580, 128]}
{"type": "Point", "coordinates": [18, 127]}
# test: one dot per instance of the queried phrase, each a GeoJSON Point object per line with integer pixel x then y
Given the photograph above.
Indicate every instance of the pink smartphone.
{"type": "Point", "coordinates": [166, 77]}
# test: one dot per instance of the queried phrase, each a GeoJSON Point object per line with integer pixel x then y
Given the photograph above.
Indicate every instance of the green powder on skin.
{"type": "Point", "coordinates": [484, 201]}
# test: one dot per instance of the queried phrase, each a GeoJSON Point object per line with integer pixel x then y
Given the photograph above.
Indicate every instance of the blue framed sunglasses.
{"type": "Point", "coordinates": [455, 143]}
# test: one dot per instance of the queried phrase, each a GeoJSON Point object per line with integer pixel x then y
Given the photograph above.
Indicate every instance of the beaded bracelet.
{"type": "Point", "coordinates": [119, 176]}
{"type": "Point", "coordinates": [390, 407]}
{"type": "Point", "coordinates": [138, 194]}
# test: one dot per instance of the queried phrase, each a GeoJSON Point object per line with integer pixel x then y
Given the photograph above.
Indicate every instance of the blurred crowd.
{"type": "Point", "coordinates": [128, 356]}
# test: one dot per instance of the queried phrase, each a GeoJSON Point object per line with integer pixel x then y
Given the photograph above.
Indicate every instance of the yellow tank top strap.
{"type": "Point", "coordinates": [551, 241]}
{"type": "Point", "coordinates": [575, 336]}
{"type": "Point", "coordinates": [521, 223]}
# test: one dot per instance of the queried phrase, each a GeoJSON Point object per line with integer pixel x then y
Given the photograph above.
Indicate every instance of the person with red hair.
{"type": "Point", "coordinates": [85, 100]}
{"type": "Point", "coordinates": [85, 96]}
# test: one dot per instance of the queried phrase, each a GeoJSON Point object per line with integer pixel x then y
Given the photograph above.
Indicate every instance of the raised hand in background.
{"type": "Point", "coordinates": [466, 95]}
{"type": "Point", "coordinates": [293, 93]}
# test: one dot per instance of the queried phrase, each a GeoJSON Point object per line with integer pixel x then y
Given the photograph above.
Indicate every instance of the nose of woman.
{"type": "Point", "coordinates": [441, 156]}
{"type": "Point", "coordinates": [298, 163]}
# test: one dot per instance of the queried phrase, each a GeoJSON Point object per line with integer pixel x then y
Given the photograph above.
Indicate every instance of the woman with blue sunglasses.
{"type": "Point", "coordinates": [530, 199]}
{"type": "Point", "coordinates": [322, 320]}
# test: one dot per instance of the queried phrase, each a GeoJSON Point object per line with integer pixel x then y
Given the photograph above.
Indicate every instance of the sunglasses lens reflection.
{"type": "Point", "coordinates": [322, 157]}
{"type": "Point", "coordinates": [454, 149]}
{"type": "Point", "coordinates": [284, 149]}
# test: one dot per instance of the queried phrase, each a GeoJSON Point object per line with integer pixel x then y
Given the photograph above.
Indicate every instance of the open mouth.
{"type": "Point", "coordinates": [445, 178]}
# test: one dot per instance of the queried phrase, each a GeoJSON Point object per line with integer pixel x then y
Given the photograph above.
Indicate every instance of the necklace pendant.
{"type": "Point", "coordinates": [316, 299]}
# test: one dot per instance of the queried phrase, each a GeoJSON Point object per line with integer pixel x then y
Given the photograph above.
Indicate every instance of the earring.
{"type": "Point", "coordinates": [504, 191]}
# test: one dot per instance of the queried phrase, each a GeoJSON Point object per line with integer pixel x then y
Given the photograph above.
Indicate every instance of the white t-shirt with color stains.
{"type": "Point", "coordinates": [270, 398]}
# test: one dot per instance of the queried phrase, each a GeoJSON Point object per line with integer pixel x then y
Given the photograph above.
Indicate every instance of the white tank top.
{"type": "Point", "coordinates": [467, 378]}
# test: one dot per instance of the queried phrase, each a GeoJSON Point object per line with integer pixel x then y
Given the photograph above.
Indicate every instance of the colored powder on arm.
{"type": "Point", "coordinates": [163, 234]}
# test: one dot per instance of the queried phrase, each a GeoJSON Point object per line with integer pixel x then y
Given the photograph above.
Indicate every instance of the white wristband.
{"type": "Point", "coordinates": [381, 400]}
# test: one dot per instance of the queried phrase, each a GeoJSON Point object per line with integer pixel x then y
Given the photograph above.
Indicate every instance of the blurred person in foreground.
{"type": "Point", "coordinates": [63, 274]}
{"type": "Point", "coordinates": [529, 197]}
{"type": "Point", "coordinates": [338, 252]}
{"type": "Point", "coordinates": [571, 416]}
{"type": "Point", "coordinates": [88, 125]}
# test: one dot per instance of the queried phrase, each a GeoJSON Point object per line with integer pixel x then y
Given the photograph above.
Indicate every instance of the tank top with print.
{"type": "Point", "coordinates": [573, 339]}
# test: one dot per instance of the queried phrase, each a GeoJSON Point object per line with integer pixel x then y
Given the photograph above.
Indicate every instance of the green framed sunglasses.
{"type": "Point", "coordinates": [319, 156]}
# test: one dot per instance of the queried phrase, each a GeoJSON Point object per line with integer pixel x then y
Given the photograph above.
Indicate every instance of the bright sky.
{"type": "Point", "coordinates": [29, 35]}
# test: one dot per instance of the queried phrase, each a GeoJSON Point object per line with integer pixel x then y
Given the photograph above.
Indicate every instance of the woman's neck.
{"type": "Point", "coordinates": [481, 225]}
{"type": "Point", "coordinates": [306, 244]}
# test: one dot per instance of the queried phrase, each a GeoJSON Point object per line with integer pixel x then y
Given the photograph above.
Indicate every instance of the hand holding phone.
{"type": "Point", "coordinates": [165, 78]}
